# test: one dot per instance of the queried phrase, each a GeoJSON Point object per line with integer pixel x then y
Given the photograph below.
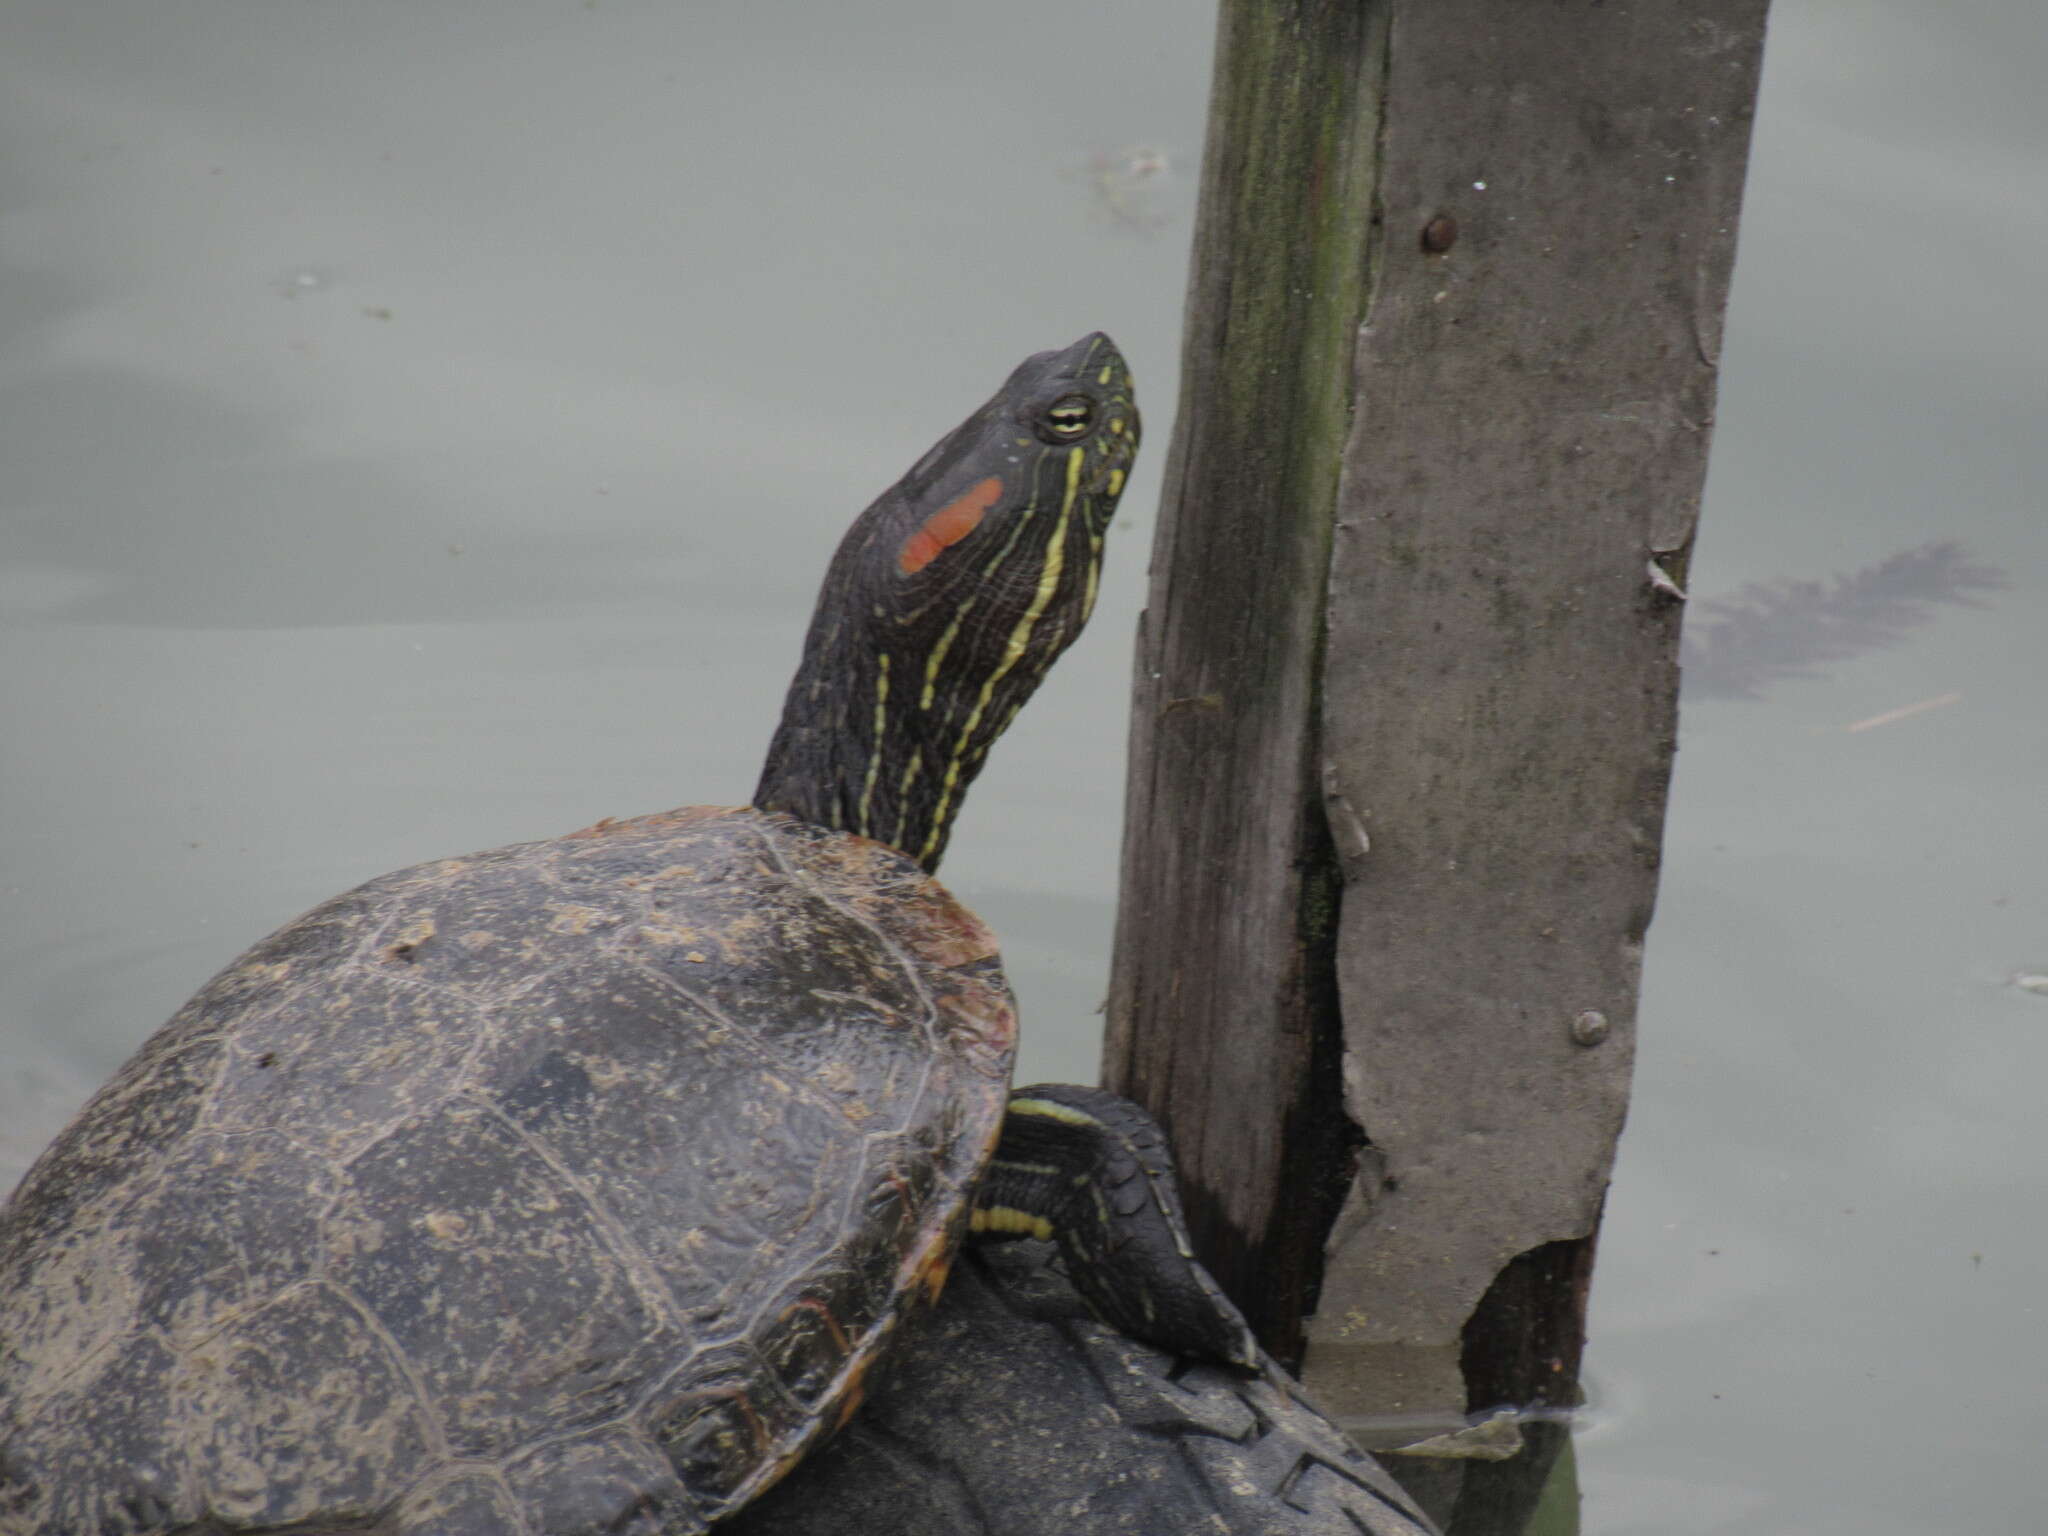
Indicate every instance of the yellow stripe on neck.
{"type": "Point", "coordinates": [867, 792]}
{"type": "Point", "coordinates": [931, 668]}
{"type": "Point", "coordinates": [903, 799]}
{"type": "Point", "coordinates": [1013, 648]}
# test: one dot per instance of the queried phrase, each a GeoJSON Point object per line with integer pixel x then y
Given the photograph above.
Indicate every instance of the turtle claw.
{"type": "Point", "coordinates": [1089, 1171]}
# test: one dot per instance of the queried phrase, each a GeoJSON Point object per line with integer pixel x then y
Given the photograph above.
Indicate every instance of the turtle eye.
{"type": "Point", "coordinates": [1066, 418]}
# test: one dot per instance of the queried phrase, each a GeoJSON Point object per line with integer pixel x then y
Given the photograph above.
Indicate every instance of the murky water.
{"type": "Point", "coordinates": [425, 426]}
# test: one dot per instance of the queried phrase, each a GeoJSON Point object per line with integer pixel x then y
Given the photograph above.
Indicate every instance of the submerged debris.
{"type": "Point", "coordinates": [1128, 185]}
{"type": "Point", "coordinates": [1767, 631]}
{"type": "Point", "coordinates": [1905, 712]}
{"type": "Point", "coordinates": [302, 282]}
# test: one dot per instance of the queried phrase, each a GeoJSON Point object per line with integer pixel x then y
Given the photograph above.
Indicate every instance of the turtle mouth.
{"type": "Point", "coordinates": [1114, 446]}
{"type": "Point", "coordinates": [1096, 366]}
{"type": "Point", "coordinates": [1106, 474]}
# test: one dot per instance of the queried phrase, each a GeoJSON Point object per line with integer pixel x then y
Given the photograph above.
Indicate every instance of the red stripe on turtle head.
{"type": "Point", "coordinates": [949, 525]}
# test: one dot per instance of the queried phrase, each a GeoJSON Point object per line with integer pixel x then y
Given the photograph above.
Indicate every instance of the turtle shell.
{"type": "Point", "coordinates": [567, 1187]}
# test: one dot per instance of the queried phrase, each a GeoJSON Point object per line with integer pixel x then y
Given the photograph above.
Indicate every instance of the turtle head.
{"type": "Point", "coordinates": [949, 599]}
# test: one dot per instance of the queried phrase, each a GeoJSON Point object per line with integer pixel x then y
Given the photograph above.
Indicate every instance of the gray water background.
{"type": "Point", "coordinates": [424, 426]}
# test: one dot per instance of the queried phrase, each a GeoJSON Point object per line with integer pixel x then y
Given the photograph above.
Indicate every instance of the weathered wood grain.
{"type": "Point", "coordinates": [1405, 701]}
{"type": "Point", "coordinates": [1221, 1009]}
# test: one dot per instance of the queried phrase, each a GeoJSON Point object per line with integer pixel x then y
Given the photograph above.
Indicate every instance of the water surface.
{"type": "Point", "coordinates": [426, 425]}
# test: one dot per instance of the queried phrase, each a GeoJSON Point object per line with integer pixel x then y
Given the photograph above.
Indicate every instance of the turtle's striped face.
{"type": "Point", "coordinates": [950, 598]}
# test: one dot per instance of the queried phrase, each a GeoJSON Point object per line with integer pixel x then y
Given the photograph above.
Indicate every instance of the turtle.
{"type": "Point", "coordinates": [1011, 1384]}
{"type": "Point", "coordinates": [577, 1186]}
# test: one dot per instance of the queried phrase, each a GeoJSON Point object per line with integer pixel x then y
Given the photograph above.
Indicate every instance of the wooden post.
{"type": "Point", "coordinates": [1223, 992]}
{"type": "Point", "coordinates": [1405, 695]}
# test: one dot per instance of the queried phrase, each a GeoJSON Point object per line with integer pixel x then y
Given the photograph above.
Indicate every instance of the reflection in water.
{"type": "Point", "coordinates": [1511, 1474]}
{"type": "Point", "coordinates": [1737, 646]}
{"type": "Point", "coordinates": [1508, 1471]}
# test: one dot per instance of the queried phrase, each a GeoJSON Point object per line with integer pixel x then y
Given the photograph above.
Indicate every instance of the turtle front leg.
{"type": "Point", "coordinates": [1090, 1171]}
